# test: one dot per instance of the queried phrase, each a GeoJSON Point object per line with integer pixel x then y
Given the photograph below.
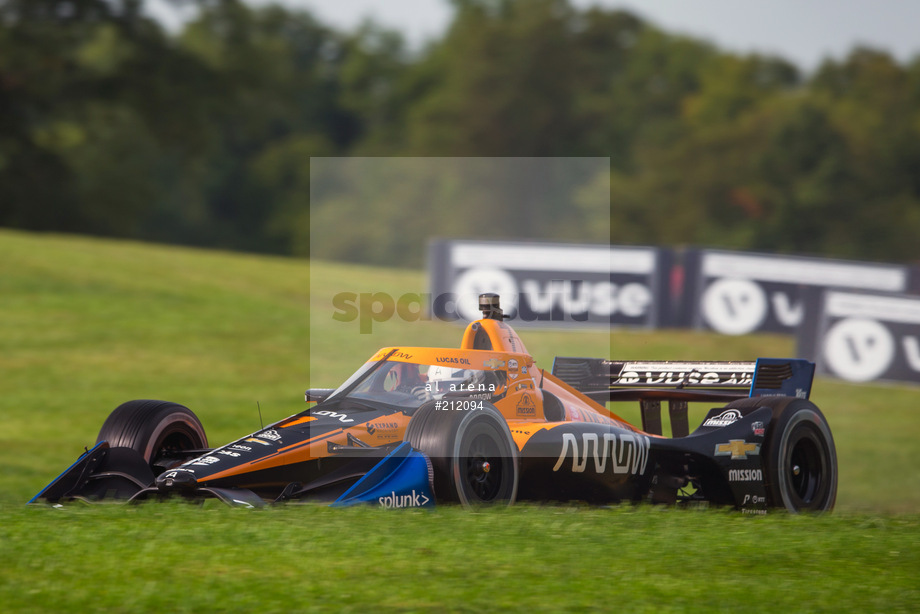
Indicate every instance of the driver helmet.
{"type": "Point", "coordinates": [440, 379]}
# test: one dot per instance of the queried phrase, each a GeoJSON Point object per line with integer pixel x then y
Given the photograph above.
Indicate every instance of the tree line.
{"type": "Point", "coordinates": [112, 125]}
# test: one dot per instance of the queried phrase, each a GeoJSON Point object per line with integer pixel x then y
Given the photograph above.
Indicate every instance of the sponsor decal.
{"type": "Point", "coordinates": [729, 416]}
{"type": "Point", "coordinates": [258, 441]}
{"type": "Point", "coordinates": [372, 427]}
{"type": "Point", "coordinates": [569, 300]}
{"type": "Point", "coordinates": [485, 396]}
{"type": "Point", "coordinates": [526, 406]}
{"type": "Point", "coordinates": [738, 449]}
{"type": "Point", "coordinates": [859, 349]}
{"type": "Point", "coordinates": [912, 352]}
{"type": "Point", "coordinates": [623, 453]}
{"type": "Point", "coordinates": [686, 373]}
{"type": "Point", "coordinates": [493, 363]}
{"type": "Point", "coordinates": [754, 500]}
{"type": "Point", "coordinates": [229, 453]}
{"type": "Point", "coordinates": [270, 434]}
{"type": "Point", "coordinates": [582, 300]}
{"type": "Point", "coordinates": [513, 369]}
{"type": "Point", "coordinates": [758, 429]}
{"type": "Point", "coordinates": [170, 475]}
{"type": "Point", "coordinates": [541, 284]}
{"type": "Point", "coordinates": [871, 337]}
{"type": "Point", "coordinates": [238, 446]}
{"type": "Point", "coordinates": [745, 475]}
{"type": "Point", "coordinates": [734, 306]}
{"type": "Point", "coordinates": [402, 355]}
{"type": "Point", "coordinates": [453, 361]}
{"type": "Point", "coordinates": [393, 501]}
{"type": "Point", "coordinates": [332, 414]}
{"type": "Point", "coordinates": [590, 416]}
{"type": "Point", "coordinates": [385, 430]}
{"type": "Point", "coordinates": [205, 461]}
{"type": "Point", "coordinates": [524, 386]}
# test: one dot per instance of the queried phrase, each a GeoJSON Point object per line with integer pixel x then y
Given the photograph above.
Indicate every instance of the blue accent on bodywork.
{"type": "Point", "coordinates": [76, 465]}
{"type": "Point", "coordinates": [796, 384]}
{"type": "Point", "coordinates": [401, 479]}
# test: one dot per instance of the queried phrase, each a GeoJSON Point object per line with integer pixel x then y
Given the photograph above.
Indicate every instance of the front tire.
{"type": "Point", "coordinates": [473, 456]}
{"type": "Point", "coordinates": [153, 429]}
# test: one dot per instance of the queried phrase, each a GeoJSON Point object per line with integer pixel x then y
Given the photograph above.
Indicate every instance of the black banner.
{"type": "Point", "coordinates": [736, 293]}
{"type": "Point", "coordinates": [551, 284]}
{"type": "Point", "coordinates": [861, 337]}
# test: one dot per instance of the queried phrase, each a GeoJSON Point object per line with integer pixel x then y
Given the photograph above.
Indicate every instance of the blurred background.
{"type": "Point", "coordinates": [194, 121]}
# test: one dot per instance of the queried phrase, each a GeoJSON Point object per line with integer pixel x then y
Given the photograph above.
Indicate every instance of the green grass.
{"type": "Point", "coordinates": [86, 324]}
{"type": "Point", "coordinates": [180, 558]}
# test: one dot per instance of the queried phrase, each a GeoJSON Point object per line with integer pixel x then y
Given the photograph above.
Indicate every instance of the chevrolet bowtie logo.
{"type": "Point", "coordinates": [737, 448]}
{"type": "Point", "coordinates": [494, 363]}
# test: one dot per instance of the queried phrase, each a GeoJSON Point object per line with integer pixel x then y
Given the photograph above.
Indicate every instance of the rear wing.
{"type": "Point", "coordinates": [650, 382]}
{"type": "Point", "coordinates": [625, 380]}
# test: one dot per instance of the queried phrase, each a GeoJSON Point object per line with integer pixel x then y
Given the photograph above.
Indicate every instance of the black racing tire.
{"type": "Point", "coordinates": [473, 456]}
{"type": "Point", "coordinates": [800, 459]}
{"type": "Point", "coordinates": [153, 428]}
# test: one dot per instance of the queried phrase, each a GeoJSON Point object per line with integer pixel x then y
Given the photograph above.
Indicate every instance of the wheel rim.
{"type": "Point", "coordinates": [484, 468]}
{"type": "Point", "coordinates": [806, 469]}
{"type": "Point", "coordinates": [176, 438]}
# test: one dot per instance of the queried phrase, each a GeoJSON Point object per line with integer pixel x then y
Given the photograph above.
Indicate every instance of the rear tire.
{"type": "Point", "coordinates": [152, 429]}
{"type": "Point", "coordinates": [473, 456]}
{"type": "Point", "coordinates": [800, 459]}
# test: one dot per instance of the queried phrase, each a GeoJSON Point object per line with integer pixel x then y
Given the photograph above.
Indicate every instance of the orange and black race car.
{"type": "Point", "coordinates": [484, 424]}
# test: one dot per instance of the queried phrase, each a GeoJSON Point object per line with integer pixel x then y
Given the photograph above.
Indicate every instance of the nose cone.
{"type": "Point", "coordinates": [176, 479]}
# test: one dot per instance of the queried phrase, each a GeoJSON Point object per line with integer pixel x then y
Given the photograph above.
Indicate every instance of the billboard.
{"type": "Point", "coordinates": [861, 337]}
{"type": "Point", "coordinates": [737, 293]}
{"type": "Point", "coordinates": [551, 284]}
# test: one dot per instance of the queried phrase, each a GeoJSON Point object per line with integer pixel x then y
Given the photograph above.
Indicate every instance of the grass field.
{"type": "Point", "coordinates": [86, 324]}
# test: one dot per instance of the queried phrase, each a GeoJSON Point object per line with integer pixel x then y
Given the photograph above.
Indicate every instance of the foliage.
{"type": "Point", "coordinates": [111, 125]}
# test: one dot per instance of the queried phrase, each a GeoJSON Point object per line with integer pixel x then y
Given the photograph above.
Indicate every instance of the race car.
{"type": "Point", "coordinates": [483, 423]}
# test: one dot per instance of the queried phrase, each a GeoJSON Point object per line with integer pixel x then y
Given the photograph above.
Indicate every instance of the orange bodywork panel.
{"type": "Point", "coordinates": [487, 345]}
